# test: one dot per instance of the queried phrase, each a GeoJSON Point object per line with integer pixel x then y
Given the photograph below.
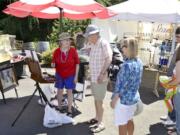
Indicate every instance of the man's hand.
{"type": "Point", "coordinates": [100, 78]}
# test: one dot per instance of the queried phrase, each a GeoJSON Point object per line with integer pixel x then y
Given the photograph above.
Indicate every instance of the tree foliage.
{"type": "Point", "coordinates": [70, 26]}
{"type": "Point", "coordinates": [21, 27]}
{"type": "Point", "coordinates": [26, 29]}
{"type": "Point", "coordinates": [109, 2]}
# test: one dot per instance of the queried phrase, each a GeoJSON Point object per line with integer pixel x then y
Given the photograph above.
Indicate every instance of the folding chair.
{"type": "Point", "coordinates": [38, 77]}
{"type": "Point", "coordinates": [79, 93]}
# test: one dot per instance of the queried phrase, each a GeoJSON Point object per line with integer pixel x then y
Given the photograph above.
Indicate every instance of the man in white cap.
{"type": "Point", "coordinates": [100, 59]}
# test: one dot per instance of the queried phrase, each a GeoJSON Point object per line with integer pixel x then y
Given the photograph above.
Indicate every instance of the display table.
{"type": "Point", "coordinates": [150, 80]}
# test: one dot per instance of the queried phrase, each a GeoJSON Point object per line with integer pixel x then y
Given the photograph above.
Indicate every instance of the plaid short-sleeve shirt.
{"type": "Point", "coordinates": [99, 52]}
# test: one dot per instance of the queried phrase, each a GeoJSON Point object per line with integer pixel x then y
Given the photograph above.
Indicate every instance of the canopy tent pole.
{"type": "Point", "coordinates": [60, 20]}
{"type": "Point", "coordinates": [173, 46]}
{"type": "Point", "coordinates": [174, 39]}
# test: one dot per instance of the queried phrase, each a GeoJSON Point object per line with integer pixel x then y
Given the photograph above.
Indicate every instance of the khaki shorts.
{"type": "Point", "coordinates": [99, 90]}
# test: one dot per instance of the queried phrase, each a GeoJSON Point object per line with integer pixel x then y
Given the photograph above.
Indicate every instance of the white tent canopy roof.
{"type": "Point", "coordinates": [166, 11]}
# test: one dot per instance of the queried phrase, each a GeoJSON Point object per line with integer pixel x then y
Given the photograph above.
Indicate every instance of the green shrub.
{"type": "Point", "coordinates": [47, 56]}
{"type": "Point", "coordinates": [53, 45]}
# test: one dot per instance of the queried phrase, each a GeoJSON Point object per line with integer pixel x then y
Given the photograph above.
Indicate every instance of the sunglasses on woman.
{"type": "Point", "coordinates": [123, 46]}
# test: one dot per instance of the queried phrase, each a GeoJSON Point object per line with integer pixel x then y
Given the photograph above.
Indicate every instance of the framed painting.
{"type": "Point", "coordinates": [7, 78]}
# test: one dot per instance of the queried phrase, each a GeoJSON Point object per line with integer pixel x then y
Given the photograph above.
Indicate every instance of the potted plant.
{"type": "Point", "coordinates": [44, 29]}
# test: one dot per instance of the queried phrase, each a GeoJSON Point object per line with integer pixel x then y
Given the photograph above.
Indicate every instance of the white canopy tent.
{"type": "Point", "coordinates": [163, 11]}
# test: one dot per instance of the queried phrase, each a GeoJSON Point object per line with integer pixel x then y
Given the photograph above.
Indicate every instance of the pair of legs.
{"type": "Point", "coordinates": [172, 115]}
{"type": "Point", "coordinates": [99, 110]}
{"type": "Point", "coordinates": [67, 83]}
{"type": "Point", "coordinates": [97, 125]}
{"type": "Point", "coordinates": [70, 98]}
{"type": "Point", "coordinates": [99, 92]}
{"type": "Point", "coordinates": [124, 118]}
{"type": "Point", "coordinates": [127, 129]}
{"type": "Point", "coordinates": [177, 108]}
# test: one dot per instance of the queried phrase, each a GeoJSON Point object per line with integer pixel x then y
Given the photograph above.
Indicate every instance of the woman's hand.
{"type": "Point", "coordinates": [75, 80]}
{"type": "Point", "coordinates": [112, 104]}
{"type": "Point", "coordinates": [114, 101]}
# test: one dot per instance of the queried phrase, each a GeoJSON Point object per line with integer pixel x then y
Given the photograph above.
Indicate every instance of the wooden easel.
{"type": "Point", "coordinates": [37, 76]}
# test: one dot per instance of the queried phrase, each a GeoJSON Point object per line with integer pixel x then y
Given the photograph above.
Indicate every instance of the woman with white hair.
{"type": "Point", "coordinates": [66, 62]}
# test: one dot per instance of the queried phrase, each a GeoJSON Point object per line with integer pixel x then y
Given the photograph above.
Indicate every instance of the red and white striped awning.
{"type": "Point", "coordinates": [54, 13]}
{"type": "Point", "coordinates": [49, 9]}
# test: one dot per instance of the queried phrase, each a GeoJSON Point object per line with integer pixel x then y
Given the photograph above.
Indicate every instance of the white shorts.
{"type": "Point", "coordinates": [123, 113]}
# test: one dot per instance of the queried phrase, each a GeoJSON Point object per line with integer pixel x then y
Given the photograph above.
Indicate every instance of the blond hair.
{"type": "Point", "coordinates": [132, 45]}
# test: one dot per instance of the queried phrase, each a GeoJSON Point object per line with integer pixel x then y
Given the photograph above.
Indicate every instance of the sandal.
{"type": "Point", "coordinates": [172, 132]}
{"type": "Point", "coordinates": [97, 129]}
{"type": "Point", "coordinates": [69, 114]}
{"type": "Point", "coordinates": [171, 129]}
{"type": "Point", "coordinates": [92, 121]}
{"type": "Point", "coordinates": [93, 126]}
{"type": "Point", "coordinates": [60, 110]}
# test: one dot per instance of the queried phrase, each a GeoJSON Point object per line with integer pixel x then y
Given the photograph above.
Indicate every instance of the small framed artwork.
{"type": "Point", "coordinates": [7, 78]}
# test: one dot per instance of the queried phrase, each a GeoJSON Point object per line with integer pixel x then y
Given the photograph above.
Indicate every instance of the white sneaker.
{"type": "Point", "coordinates": [169, 122]}
{"type": "Point", "coordinates": [164, 118]}
{"type": "Point", "coordinates": [174, 133]}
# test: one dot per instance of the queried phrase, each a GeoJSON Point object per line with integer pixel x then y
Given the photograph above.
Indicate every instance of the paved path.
{"type": "Point", "coordinates": [30, 123]}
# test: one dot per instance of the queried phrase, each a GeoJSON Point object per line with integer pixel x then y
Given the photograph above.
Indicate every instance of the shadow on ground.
{"type": "Point", "coordinates": [31, 121]}
{"type": "Point", "coordinates": [157, 129]}
{"type": "Point", "coordinates": [148, 97]}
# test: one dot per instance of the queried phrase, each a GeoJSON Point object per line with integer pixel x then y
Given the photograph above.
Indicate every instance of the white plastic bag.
{"type": "Point", "coordinates": [53, 118]}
